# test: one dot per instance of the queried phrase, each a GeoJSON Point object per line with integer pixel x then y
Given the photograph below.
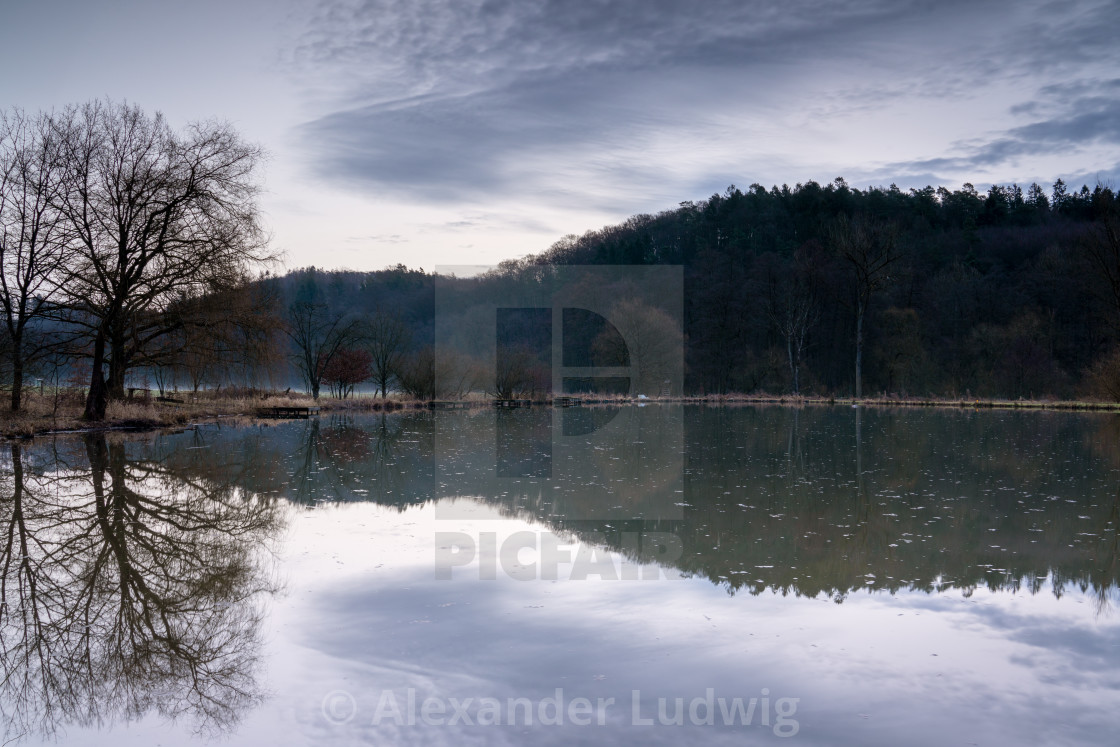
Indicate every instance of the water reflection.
{"type": "Point", "coordinates": [923, 501]}
{"type": "Point", "coordinates": [802, 501]}
{"type": "Point", "coordinates": [133, 571]}
{"type": "Point", "coordinates": [130, 587]}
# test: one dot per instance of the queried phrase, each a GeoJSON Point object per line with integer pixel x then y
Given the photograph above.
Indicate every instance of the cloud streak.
{"type": "Point", "coordinates": [620, 104]}
{"type": "Point", "coordinates": [1085, 122]}
{"type": "Point", "coordinates": [1082, 123]}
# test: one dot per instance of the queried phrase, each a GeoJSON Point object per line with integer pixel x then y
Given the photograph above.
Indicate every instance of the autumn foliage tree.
{"type": "Point", "coordinates": [345, 369]}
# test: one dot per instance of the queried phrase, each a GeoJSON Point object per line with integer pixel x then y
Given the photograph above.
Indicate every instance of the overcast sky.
{"type": "Point", "coordinates": [469, 131]}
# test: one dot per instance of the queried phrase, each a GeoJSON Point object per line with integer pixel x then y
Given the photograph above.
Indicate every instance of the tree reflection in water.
{"type": "Point", "coordinates": [129, 589]}
{"type": "Point", "coordinates": [338, 460]}
{"type": "Point", "coordinates": [801, 501]}
{"type": "Point", "coordinates": [133, 573]}
{"type": "Point", "coordinates": [810, 502]}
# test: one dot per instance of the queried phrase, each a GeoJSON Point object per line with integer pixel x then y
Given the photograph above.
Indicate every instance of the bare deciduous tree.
{"type": "Point", "coordinates": [793, 311]}
{"type": "Point", "coordinates": [870, 248]}
{"type": "Point", "coordinates": [226, 337]}
{"type": "Point", "coordinates": [518, 372]}
{"type": "Point", "coordinates": [451, 374]}
{"type": "Point", "coordinates": [416, 375]}
{"type": "Point", "coordinates": [654, 342]}
{"type": "Point", "coordinates": [1100, 246]}
{"type": "Point", "coordinates": [158, 216]}
{"type": "Point", "coordinates": [318, 334]}
{"type": "Point", "coordinates": [33, 241]}
{"type": "Point", "coordinates": [387, 339]}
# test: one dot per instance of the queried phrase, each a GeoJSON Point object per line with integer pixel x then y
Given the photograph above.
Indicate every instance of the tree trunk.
{"type": "Point", "coordinates": [792, 368]}
{"type": "Point", "coordinates": [17, 484]}
{"type": "Point", "coordinates": [97, 453]}
{"type": "Point", "coordinates": [17, 375]}
{"type": "Point", "coordinates": [859, 350]}
{"type": "Point", "coordinates": [96, 399]}
{"type": "Point", "coordinates": [116, 366]}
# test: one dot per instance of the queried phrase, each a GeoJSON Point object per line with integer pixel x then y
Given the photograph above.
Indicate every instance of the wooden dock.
{"type": "Point", "coordinates": [288, 412]}
{"type": "Point", "coordinates": [566, 402]}
{"type": "Point", "coordinates": [513, 403]}
{"type": "Point", "coordinates": [449, 405]}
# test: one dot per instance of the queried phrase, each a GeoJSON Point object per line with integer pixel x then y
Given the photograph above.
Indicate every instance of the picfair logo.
{"type": "Point", "coordinates": [604, 339]}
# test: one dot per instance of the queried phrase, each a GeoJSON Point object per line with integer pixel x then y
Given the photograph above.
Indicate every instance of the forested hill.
{"type": "Point", "coordinates": [1008, 293]}
{"type": "Point", "coordinates": [1012, 293]}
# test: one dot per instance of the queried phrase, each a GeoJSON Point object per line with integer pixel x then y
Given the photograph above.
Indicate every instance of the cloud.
{"type": "Point", "coordinates": [432, 44]}
{"type": "Point", "coordinates": [381, 238]}
{"type": "Point", "coordinates": [488, 220]}
{"type": "Point", "coordinates": [1085, 118]}
{"type": "Point", "coordinates": [616, 105]}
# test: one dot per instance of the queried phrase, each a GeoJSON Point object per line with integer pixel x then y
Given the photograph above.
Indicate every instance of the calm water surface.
{"type": "Point", "coordinates": [644, 575]}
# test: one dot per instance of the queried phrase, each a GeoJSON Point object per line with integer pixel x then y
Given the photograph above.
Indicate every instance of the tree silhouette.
{"type": "Point", "coordinates": [157, 216]}
{"type": "Point", "coordinates": [128, 589]}
{"type": "Point", "coordinates": [870, 249]}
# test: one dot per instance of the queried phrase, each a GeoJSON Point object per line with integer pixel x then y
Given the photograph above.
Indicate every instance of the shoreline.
{"type": "Point", "coordinates": [152, 415]}
{"type": "Point", "coordinates": [42, 417]}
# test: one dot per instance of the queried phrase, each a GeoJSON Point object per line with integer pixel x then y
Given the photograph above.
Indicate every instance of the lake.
{"type": "Point", "coordinates": [665, 574]}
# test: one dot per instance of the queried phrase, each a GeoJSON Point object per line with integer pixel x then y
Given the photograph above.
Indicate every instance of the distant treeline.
{"type": "Point", "coordinates": [828, 290]}
{"type": "Point", "coordinates": [1008, 293]}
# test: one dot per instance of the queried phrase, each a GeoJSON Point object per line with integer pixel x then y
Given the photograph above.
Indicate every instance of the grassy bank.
{"type": "Point", "coordinates": [44, 414]}
{"type": "Point", "coordinates": [889, 401]}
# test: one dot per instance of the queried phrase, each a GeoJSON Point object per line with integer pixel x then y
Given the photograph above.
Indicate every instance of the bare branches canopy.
{"type": "Point", "coordinates": [34, 240]}
{"type": "Point", "coordinates": [115, 220]}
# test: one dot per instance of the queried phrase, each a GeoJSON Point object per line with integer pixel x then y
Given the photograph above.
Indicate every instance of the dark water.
{"type": "Point", "coordinates": [644, 575]}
